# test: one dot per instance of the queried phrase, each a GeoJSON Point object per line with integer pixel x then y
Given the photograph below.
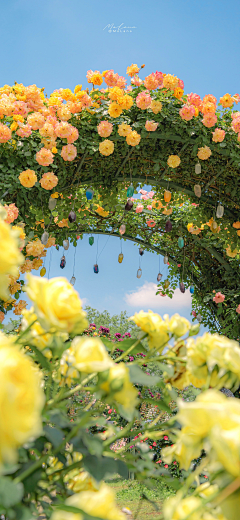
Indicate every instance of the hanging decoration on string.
{"type": "Point", "coordinates": [141, 251]}
{"type": "Point", "coordinates": [44, 238]}
{"type": "Point", "coordinates": [165, 260]}
{"type": "Point", "coordinates": [43, 271]}
{"type": "Point", "coordinates": [198, 168]}
{"type": "Point", "coordinates": [52, 203]}
{"type": "Point", "coordinates": [91, 241]}
{"type": "Point", "coordinates": [120, 256]}
{"type": "Point", "coordinates": [66, 244]}
{"type": "Point", "coordinates": [167, 195]}
{"type": "Point", "coordinates": [72, 217]}
{"type": "Point", "coordinates": [63, 262]}
{"type": "Point", "coordinates": [168, 226]}
{"type": "Point", "coordinates": [130, 190]}
{"type": "Point", "coordinates": [159, 276]}
{"type": "Point", "coordinates": [220, 210]}
{"type": "Point", "coordinates": [139, 271]}
{"type": "Point", "coordinates": [197, 190]}
{"type": "Point", "coordinates": [73, 279]}
{"type": "Point", "coordinates": [89, 194]}
{"type": "Point", "coordinates": [181, 284]}
{"type": "Point", "coordinates": [122, 229]}
{"type": "Point", "coordinates": [95, 267]}
{"type": "Point", "coordinates": [129, 205]}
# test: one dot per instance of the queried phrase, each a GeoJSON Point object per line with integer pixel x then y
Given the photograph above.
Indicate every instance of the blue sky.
{"type": "Point", "coordinates": [53, 43]}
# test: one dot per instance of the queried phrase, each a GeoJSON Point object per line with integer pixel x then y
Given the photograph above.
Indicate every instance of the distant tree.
{"type": "Point", "coordinates": [116, 322]}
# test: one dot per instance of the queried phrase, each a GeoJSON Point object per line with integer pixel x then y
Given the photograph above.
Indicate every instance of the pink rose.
{"type": "Point", "coordinates": [149, 207]}
{"type": "Point", "coordinates": [238, 309]}
{"type": "Point", "coordinates": [139, 208]}
{"type": "Point", "coordinates": [219, 298]}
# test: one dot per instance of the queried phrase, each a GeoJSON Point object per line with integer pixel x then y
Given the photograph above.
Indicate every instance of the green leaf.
{"type": "Point", "coordinates": [10, 493]}
{"type": "Point", "coordinates": [41, 358]}
{"type": "Point", "coordinates": [54, 435]}
{"type": "Point", "coordinates": [30, 483]}
{"type": "Point", "coordinates": [23, 513]}
{"type": "Point", "coordinates": [139, 377]}
{"type": "Point", "coordinates": [99, 467]}
{"type": "Point", "coordinates": [127, 343]}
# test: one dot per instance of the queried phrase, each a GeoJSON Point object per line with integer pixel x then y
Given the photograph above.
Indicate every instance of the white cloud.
{"type": "Point", "coordinates": [146, 298]}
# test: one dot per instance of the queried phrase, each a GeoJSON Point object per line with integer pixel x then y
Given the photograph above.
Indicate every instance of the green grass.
{"type": "Point", "coordinates": [129, 492]}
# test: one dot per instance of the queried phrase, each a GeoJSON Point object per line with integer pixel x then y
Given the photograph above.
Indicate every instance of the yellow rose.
{"type": "Point", "coordinates": [173, 161]}
{"type": "Point", "coordinates": [124, 129]}
{"type": "Point", "coordinates": [115, 110]}
{"type": "Point", "coordinates": [106, 147]}
{"type": "Point", "coordinates": [90, 355]}
{"type": "Point", "coordinates": [186, 448]}
{"type": "Point", "coordinates": [10, 257]}
{"type": "Point", "coordinates": [133, 138]}
{"type": "Point", "coordinates": [154, 326]}
{"type": "Point", "coordinates": [120, 386]}
{"type": "Point", "coordinates": [99, 503]}
{"type": "Point", "coordinates": [37, 336]}
{"type": "Point", "coordinates": [204, 153]}
{"type": "Point", "coordinates": [80, 481]}
{"type": "Point", "coordinates": [21, 399]}
{"type": "Point", "coordinates": [178, 508]}
{"type": "Point", "coordinates": [178, 326]}
{"type": "Point", "coordinates": [56, 304]}
{"type": "Point", "coordinates": [156, 106]}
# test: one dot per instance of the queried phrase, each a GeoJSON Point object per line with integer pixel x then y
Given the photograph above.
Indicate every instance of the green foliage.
{"type": "Point", "coordinates": [116, 322]}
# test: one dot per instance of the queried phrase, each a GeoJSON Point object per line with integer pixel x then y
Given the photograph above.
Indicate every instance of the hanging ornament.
{"type": "Point", "coordinates": [73, 280]}
{"type": "Point", "coordinates": [168, 226]}
{"type": "Point", "coordinates": [159, 277]}
{"type": "Point", "coordinates": [130, 191]}
{"type": "Point", "coordinates": [57, 247]}
{"type": "Point", "coordinates": [182, 287]}
{"type": "Point", "coordinates": [165, 260]}
{"type": "Point", "coordinates": [129, 205]}
{"type": "Point", "coordinates": [167, 196]}
{"type": "Point", "coordinates": [199, 317]}
{"type": "Point", "coordinates": [197, 190]}
{"type": "Point", "coordinates": [96, 268]}
{"type": "Point", "coordinates": [120, 258]}
{"type": "Point", "coordinates": [44, 238]}
{"type": "Point", "coordinates": [214, 226]}
{"type": "Point", "coordinates": [91, 241]}
{"type": "Point", "coordinates": [43, 271]}
{"type": "Point", "coordinates": [66, 244]}
{"type": "Point", "coordinates": [166, 284]}
{"type": "Point", "coordinates": [198, 168]}
{"type": "Point", "coordinates": [220, 211]}
{"type": "Point", "coordinates": [63, 262]}
{"type": "Point", "coordinates": [72, 216]}
{"type": "Point", "coordinates": [89, 194]}
{"type": "Point", "coordinates": [122, 229]}
{"type": "Point", "coordinates": [141, 251]}
{"type": "Point", "coordinates": [181, 242]}
{"type": "Point", "coordinates": [52, 203]}
{"type": "Point", "coordinates": [191, 289]}
{"type": "Point", "coordinates": [139, 272]}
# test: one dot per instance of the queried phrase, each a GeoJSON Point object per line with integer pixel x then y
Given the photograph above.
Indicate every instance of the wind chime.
{"type": "Point", "coordinates": [120, 256]}
{"type": "Point", "coordinates": [73, 279]}
{"type": "Point", "coordinates": [95, 267]}
{"type": "Point", "coordinates": [159, 276]}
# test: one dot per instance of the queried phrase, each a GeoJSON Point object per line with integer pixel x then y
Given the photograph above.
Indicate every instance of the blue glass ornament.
{"type": "Point", "coordinates": [181, 242]}
{"type": "Point", "coordinates": [89, 194]}
{"type": "Point", "coordinates": [95, 269]}
{"type": "Point", "coordinates": [191, 289]}
{"type": "Point", "coordinates": [130, 191]}
{"type": "Point", "coordinates": [63, 262]}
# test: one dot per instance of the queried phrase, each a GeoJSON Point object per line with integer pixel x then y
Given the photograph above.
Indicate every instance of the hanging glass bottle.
{"type": "Point", "coordinates": [52, 203]}
{"type": "Point", "coordinates": [199, 317]}
{"type": "Point", "coordinates": [191, 289]}
{"type": "Point", "coordinates": [120, 258]}
{"type": "Point", "coordinates": [129, 205]}
{"type": "Point", "coordinates": [159, 277]}
{"type": "Point", "coordinates": [66, 244]}
{"type": "Point", "coordinates": [63, 262]}
{"type": "Point", "coordinates": [91, 241]}
{"type": "Point", "coordinates": [198, 168]}
{"type": "Point", "coordinates": [182, 287]}
{"type": "Point", "coordinates": [139, 272]}
{"type": "Point", "coordinates": [181, 242]}
{"type": "Point", "coordinates": [167, 196]}
{"type": "Point", "coordinates": [89, 194]}
{"type": "Point", "coordinates": [44, 238]}
{"type": "Point", "coordinates": [220, 211]}
{"type": "Point", "coordinates": [73, 280]}
{"type": "Point", "coordinates": [130, 191]}
{"type": "Point", "coordinates": [168, 226]}
{"type": "Point", "coordinates": [165, 260]}
{"type": "Point", "coordinates": [141, 251]}
{"type": "Point", "coordinates": [197, 190]}
{"type": "Point", "coordinates": [96, 268]}
{"type": "Point", "coordinates": [43, 271]}
{"type": "Point", "coordinates": [214, 226]}
{"type": "Point", "coordinates": [72, 216]}
{"type": "Point", "coordinates": [166, 284]}
{"type": "Point", "coordinates": [122, 229]}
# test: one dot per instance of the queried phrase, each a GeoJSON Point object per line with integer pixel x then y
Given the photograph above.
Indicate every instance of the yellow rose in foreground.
{"type": "Point", "coordinates": [119, 385]}
{"type": "Point", "coordinates": [154, 326]}
{"type": "Point", "coordinates": [80, 481]}
{"type": "Point", "coordinates": [37, 336]}
{"type": "Point", "coordinates": [96, 503]}
{"type": "Point", "coordinates": [21, 399]}
{"type": "Point", "coordinates": [56, 304]}
{"type": "Point", "coordinates": [90, 355]}
{"type": "Point", "coordinates": [177, 325]}
{"type": "Point", "coordinates": [10, 257]}
{"type": "Point", "coordinates": [178, 508]}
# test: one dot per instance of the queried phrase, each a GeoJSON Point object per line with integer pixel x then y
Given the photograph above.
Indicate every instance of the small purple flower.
{"type": "Point", "coordinates": [117, 335]}
{"type": "Point", "coordinates": [92, 325]}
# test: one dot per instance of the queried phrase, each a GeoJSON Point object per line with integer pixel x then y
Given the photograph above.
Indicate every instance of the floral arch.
{"type": "Point", "coordinates": [91, 151]}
